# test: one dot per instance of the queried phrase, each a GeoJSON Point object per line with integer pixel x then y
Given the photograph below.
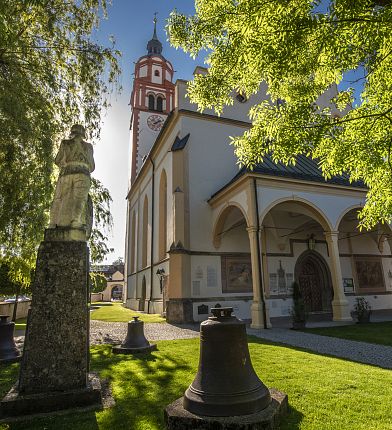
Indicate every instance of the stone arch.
{"type": "Point", "coordinates": [145, 232]}
{"type": "Point", "coordinates": [313, 275]}
{"type": "Point", "coordinates": [316, 212]}
{"type": "Point", "coordinates": [220, 221]}
{"type": "Point", "coordinates": [344, 213]}
{"type": "Point", "coordinates": [162, 237]}
{"type": "Point", "coordinates": [133, 243]}
{"type": "Point", "coordinates": [116, 292]}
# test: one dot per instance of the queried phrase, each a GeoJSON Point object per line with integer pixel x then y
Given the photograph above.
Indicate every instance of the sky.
{"type": "Point", "coordinates": [131, 24]}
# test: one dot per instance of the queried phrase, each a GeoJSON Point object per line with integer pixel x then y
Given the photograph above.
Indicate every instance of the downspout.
{"type": "Point", "coordinates": [259, 254]}
{"type": "Point", "coordinates": [152, 231]}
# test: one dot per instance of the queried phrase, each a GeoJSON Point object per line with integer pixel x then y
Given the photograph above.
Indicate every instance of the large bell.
{"type": "Point", "coordinates": [8, 349]}
{"type": "Point", "coordinates": [226, 383]}
{"type": "Point", "coordinates": [135, 341]}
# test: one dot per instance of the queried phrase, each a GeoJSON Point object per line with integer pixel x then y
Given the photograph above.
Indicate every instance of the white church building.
{"type": "Point", "coordinates": [201, 232]}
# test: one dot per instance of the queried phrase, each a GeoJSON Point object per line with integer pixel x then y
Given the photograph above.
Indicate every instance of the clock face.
{"type": "Point", "coordinates": [155, 122]}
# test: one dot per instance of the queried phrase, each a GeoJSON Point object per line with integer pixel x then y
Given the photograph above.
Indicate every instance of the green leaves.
{"type": "Point", "coordinates": [52, 75]}
{"type": "Point", "coordinates": [302, 49]}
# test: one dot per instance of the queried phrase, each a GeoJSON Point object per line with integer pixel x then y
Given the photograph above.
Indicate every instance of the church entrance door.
{"type": "Point", "coordinates": [314, 279]}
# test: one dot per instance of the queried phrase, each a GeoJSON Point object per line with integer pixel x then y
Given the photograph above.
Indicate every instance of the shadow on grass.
{"type": "Point", "coordinates": [143, 385]}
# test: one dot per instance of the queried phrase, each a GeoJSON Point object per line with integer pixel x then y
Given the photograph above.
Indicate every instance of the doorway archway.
{"type": "Point", "coordinates": [314, 278]}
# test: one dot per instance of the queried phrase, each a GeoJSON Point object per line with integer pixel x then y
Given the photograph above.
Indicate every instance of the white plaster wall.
{"type": "Point", "coordinates": [147, 136]}
{"type": "Point", "coordinates": [238, 111]}
{"type": "Point", "coordinates": [212, 164]}
{"type": "Point", "coordinates": [143, 71]}
{"type": "Point", "coordinates": [156, 79]}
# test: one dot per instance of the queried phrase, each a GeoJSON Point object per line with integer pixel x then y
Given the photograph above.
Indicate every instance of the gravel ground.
{"type": "Point", "coordinates": [115, 332]}
{"type": "Point", "coordinates": [378, 355]}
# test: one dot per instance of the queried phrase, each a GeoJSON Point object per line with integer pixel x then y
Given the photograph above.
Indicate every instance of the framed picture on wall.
{"type": "Point", "coordinates": [348, 285]}
{"type": "Point", "coordinates": [236, 275]}
{"type": "Point", "coordinates": [370, 274]}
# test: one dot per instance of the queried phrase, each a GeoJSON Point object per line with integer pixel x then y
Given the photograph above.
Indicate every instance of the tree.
{"type": "Point", "coordinates": [52, 75]}
{"type": "Point", "coordinates": [300, 49]}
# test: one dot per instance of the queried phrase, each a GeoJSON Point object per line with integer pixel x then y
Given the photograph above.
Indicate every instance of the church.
{"type": "Point", "coordinates": [203, 233]}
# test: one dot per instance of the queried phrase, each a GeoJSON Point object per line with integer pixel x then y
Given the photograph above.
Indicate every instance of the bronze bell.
{"type": "Point", "coordinates": [8, 349]}
{"type": "Point", "coordinates": [226, 383]}
{"type": "Point", "coordinates": [135, 341]}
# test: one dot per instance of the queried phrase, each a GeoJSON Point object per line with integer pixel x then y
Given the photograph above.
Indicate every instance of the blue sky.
{"type": "Point", "coordinates": [131, 24]}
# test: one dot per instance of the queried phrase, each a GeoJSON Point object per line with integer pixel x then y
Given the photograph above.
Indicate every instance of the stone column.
{"type": "Point", "coordinates": [257, 308]}
{"type": "Point", "coordinates": [340, 306]}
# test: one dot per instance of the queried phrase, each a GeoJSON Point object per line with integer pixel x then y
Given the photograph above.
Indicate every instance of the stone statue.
{"type": "Point", "coordinates": [72, 206]}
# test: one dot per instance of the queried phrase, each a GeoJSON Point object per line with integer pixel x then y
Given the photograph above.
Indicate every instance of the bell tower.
{"type": "Point", "coordinates": [152, 100]}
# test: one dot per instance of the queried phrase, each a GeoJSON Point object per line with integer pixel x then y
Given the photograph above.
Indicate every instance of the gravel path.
{"type": "Point", "coordinates": [115, 332]}
{"type": "Point", "coordinates": [378, 355]}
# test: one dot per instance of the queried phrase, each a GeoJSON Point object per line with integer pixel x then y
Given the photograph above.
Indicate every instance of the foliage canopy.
{"type": "Point", "coordinates": [52, 75]}
{"type": "Point", "coordinates": [302, 49]}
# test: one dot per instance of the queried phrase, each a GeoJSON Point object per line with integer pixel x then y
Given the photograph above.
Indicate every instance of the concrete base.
{"type": "Point", "coordinates": [179, 311]}
{"type": "Point", "coordinates": [15, 404]}
{"type": "Point", "coordinates": [177, 418]}
{"type": "Point", "coordinates": [118, 349]}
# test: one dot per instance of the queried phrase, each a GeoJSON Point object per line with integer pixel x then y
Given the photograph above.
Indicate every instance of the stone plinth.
{"type": "Point", "coordinates": [177, 418]}
{"type": "Point", "coordinates": [15, 404]}
{"type": "Point", "coordinates": [56, 355]}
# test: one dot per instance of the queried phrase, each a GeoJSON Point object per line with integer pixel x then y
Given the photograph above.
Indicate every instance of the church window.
{"type": "Point", "coordinates": [162, 216]}
{"type": "Point", "coordinates": [159, 104]}
{"type": "Point", "coordinates": [133, 243]}
{"type": "Point", "coordinates": [151, 102]}
{"type": "Point", "coordinates": [156, 73]}
{"type": "Point", "coordinates": [145, 233]}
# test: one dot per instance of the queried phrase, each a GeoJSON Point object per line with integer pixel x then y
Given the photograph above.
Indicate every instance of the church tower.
{"type": "Point", "coordinates": [152, 99]}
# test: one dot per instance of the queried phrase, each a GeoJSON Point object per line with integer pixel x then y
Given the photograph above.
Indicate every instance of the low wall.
{"type": "Point", "coordinates": [22, 310]}
{"type": "Point", "coordinates": [96, 297]}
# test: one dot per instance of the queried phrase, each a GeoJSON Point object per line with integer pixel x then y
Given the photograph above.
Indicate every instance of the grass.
{"type": "Point", "coordinates": [20, 324]}
{"type": "Point", "coordinates": [380, 332]}
{"type": "Point", "coordinates": [112, 312]}
{"type": "Point", "coordinates": [325, 393]}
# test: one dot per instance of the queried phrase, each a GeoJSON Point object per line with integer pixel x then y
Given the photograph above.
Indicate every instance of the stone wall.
{"type": "Point", "coordinates": [8, 309]}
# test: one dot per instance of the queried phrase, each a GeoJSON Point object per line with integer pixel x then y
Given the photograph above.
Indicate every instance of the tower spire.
{"type": "Point", "coordinates": [154, 46]}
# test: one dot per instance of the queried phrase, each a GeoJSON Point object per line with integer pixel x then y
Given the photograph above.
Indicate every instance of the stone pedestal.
{"type": "Point", "coordinates": [177, 418]}
{"type": "Point", "coordinates": [56, 350]}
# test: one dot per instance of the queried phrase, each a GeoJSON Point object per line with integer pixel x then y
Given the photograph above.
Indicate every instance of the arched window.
{"type": "Point", "coordinates": [151, 102]}
{"type": "Point", "coordinates": [133, 243]}
{"type": "Point", "coordinates": [145, 233]}
{"type": "Point", "coordinates": [156, 73]}
{"type": "Point", "coordinates": [159, 104]}
{"type": "Point", "coordinates": [162, 216]}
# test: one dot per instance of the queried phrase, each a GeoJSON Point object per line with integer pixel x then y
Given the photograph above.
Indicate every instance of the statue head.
{"type": "Point", "coordinates": [77, 130]}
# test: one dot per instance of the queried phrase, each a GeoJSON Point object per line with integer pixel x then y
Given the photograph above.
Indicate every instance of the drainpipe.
{"type": "Point", "coordinates": [259, 254]}
{"type": "Point", "coordinates": [152, 230]}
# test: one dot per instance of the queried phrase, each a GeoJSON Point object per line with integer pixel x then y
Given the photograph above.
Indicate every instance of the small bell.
{"type": "Point", "coordinates": [8, 349]}
{"type": "Point", "coordinates": [226, 383]}
{"type": "Point", "coordinates": [135, 341]}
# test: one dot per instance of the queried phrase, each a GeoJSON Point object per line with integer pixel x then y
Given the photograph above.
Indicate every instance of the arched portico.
{"type": "Point", "coordinates": [298, 229]}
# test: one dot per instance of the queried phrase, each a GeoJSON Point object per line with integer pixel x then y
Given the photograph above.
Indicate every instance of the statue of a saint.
{"type": "Point", "coordinates": [72, 206]}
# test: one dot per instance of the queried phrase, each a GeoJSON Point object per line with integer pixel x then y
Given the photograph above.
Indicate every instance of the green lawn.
{"type": "Point", "coordinates": [325, 393]}
{"type": "Point", "coordinates": [20, 324]}
{"type": "Point", "coordinates": [373, 332]}
{"type": "Point", "coordinates": [116, 312]}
